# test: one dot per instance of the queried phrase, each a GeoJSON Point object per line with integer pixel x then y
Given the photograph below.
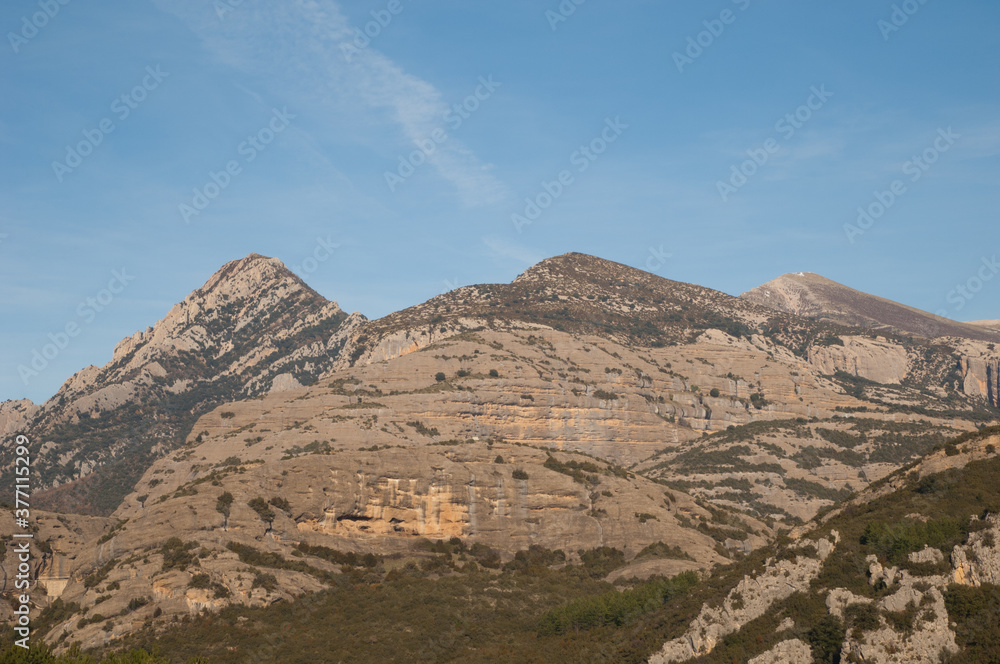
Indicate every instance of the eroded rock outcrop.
{"type": "Point", "coordinates": [924, 641]}
{"type": "Point", "coordinates": [15, 414]}
{"type": "Point", "coordinates": [978, 561]}
{"type": "Point", "coordinates": [791, 651]}
{"type": "Point", "coordinates": [981, 378]}
{"type": "Point", "coordinates": [751, 598]}
{"type": "Point", "coordinates": [877, 360]}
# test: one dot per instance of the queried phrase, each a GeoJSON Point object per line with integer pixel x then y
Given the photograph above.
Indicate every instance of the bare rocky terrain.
{"type": "Point", "coordinates": [814, 296]}
{"type": "Point", "coordinates": [252, 326]}
{"type": "Point", "coordinates": [241, 450]}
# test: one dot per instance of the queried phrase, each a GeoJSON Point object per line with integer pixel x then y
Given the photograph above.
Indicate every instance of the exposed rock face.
{"type": "Point", "coordinates": [582, 294]}
{"type": "Point", "coordinates": [241, 316]}
{"type": "Point", "coordinates": [68, 538]}
{"type": "Point", "coordinates": [981, 378]}
{"type": "Point", "coordinates": [14, 415]}
{"type": "Point", "coordinates": [931, 635]}
{"type": "Point", "coordinates": [814, 296]}
{"type": "Point", "coordinates": [751, 598]}
{"type": "Point", "coordinates": [874, 359]}
{"type": "Point", "coordinates": [596, 362]}
{"type": "Point", "coordinates": [284, 382]}
{"type": "Point", "coordinates": [978, 562]}
{"type": "Point", "coordinates": [927, 555]}
{"type": "Point", "coordinates": [792, 651]}
{"type": "Point", "coordinates": [351, 500]}
{"type": "Point", "coordinates": [252, 321]}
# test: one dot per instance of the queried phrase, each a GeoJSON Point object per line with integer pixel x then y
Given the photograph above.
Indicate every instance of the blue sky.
{"type": "Point", "coordinates": [116, 115]}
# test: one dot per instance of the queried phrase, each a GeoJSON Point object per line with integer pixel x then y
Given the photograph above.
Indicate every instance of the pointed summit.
{"type": "Point", "coordinates": [254, 271]}
{"type": "Point", "coordinates": [254, 288]}
{"type": "Point", "coordinates": [252, 327]}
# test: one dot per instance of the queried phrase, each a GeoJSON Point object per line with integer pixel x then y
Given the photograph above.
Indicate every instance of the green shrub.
{"type": "Point", "coordinates": [200, 580]}
{"type": "Point", "coordinates": [137, 603]}
{"type": "Point", "coordinates": [826, 639]}
{"type": "Point", "coordinates": [976, 614]}
{"type": "Point", "coordinates": [281, 503]}
{"type": "Point", "coordinates": [903, 621]}
{"type": "Point", "coordinates": [224, 503]}
{"type": "Point", "coordinates": [94, 579]}
{"type": "Point", "coordinates": [894, 542]}
{"type": "Point", "coordinates": [615, 608]}
{"type": "Point", "coordinates": [177, 554]}
{"type": "Point", "coordinates": [575, 469]}
{"type": "Point", "coordinates": [661, 550]}
{"type": "Point", "coordinates": [519, 474]}
{"type": "Point", "coordinates": [423, 430]}
{"type": "Point", "coordinates": [369, 560]}
{"type": "Point", "coordinates": [841, 438]}
{"type": "Point", "coordinates": [601, 561]}
{"type": "Point", "coordinates": [263, 510]}
{"type": "Point", "coordinates": [486, 556]}
{"type": "Point", "coordinates": [264, 580]}
{"type": "Point", "coordinates": [862, 616]}
{"type": "Point", "coordinates": [251, 556]}
{"type": "Point", "coordinates": [534, 558]}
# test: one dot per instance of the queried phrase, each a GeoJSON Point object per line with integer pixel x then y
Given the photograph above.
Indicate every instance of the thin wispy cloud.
{"type": "Point", "coordinates": [296, 50]}
{"type": "Point", "coordinates": [508, 250]}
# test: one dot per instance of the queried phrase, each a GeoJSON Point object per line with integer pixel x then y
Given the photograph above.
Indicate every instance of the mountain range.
{"type": "Point", "coordinates": [259, 444]}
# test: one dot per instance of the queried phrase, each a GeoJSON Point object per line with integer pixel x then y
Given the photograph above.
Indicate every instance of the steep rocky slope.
{"type": "Point", "coordinates": [252, 326]}
{"type": "Point", "coordinates": [14, 415]}
{"type": "Point", "coordinates": [906, 571]}
{"type": "Point", "coordinates": [814, 296]}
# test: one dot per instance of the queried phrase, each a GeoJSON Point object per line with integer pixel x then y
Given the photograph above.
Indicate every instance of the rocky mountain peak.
{"type": "Point", "coordinates": [251, 328]}
{"type": "Point", "coordinates": [254, 287]}
{"type": "Point", "coordinates": [577, 267]}
{"type": "Point", "coordinates": [813, 296]}
{"type": "Point", "coordinates": [242, 277]}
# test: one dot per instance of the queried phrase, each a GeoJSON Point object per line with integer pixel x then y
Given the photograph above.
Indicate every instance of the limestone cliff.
{"type": "Point", "coordinates": [14, 415]}
{"type": "Point", "coordinates": [981, 378]}
{"type": "Point", "coordinates": [877, 360]}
